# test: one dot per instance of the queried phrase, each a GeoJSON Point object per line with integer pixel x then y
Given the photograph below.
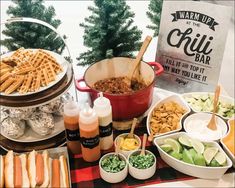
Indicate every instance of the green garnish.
{"type": "Point", "coordinates": [204, 103]}
{"type": "Point", "coordinates": [198, 153]}
{"type": "Point", "coordinates": [113, 164]}
{"type": "Point", "coordinates": [141, 161]}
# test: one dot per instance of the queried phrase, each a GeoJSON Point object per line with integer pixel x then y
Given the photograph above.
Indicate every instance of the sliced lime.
{"type": "Point", "coordinates": [176, 155]}
{"type": "Point", "coordinates": [221, 158]}
{"type": "Point", "coordinates": [197, 145]}
{"type": "Point", "coordinates": [214, 163]}
{"type": "Point", "coordinates": [192, 152]}
{"type": "Point", "coordinates": [174, 144]}
{"type": "Point", "coordinates": [187, 157]}
{"type": "Point", "coordinates": [166, 147]}
{"type": "Point", "coordinates": [185, 140]}
{"type": "Point", "coordinates": [199, 160]}
{"type": "Point", "coordinates": [209, 154]}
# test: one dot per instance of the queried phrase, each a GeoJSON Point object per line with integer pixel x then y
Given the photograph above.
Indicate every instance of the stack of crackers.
{"type": "Point", "coordinates": [26, 71]}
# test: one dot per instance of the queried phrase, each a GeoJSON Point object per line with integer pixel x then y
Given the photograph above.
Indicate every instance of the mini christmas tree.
{"type": "Point", "coordinates": [154, 14]}
{"type": "Point", "coordinates": [108, 32]}
{"type": "Point", "coordinates": [32, 35]}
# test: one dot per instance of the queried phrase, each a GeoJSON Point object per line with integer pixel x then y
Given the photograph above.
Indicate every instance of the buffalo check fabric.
{"type": "Point", "coordinates": [86, 175]}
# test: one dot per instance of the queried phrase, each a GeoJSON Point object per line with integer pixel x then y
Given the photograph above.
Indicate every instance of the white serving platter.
{"type": "Point", "coordinates": [60, 60]}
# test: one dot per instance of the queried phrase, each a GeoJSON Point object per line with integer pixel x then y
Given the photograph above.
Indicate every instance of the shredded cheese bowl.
{"type": "Point", "coordinates": [127, 145]}
{"type": "Point", "coordinates": [165, 116]}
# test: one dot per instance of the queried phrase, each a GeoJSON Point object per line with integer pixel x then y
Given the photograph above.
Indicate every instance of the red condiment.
{"type": "Point", "coordinates": [89, 134]}
{"type": "Point", "coordinates": [71, 123]}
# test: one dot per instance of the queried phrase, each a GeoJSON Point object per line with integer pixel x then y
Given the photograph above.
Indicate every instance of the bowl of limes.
{"type": "Point", "coordinates": [205, 160]}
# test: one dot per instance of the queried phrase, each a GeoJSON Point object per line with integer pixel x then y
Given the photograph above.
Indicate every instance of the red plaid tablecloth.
{"type": "Point", "coordinates": [84, 174]}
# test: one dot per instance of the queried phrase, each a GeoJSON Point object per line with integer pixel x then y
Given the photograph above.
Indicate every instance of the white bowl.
{"type": "Point", "coordinates": [190, 169]}
{"type": "Point", "coordinates": [227, 151]}
{"type": "Point", "coordinates": [206, 134]}
{"type": "Point", "coordinates": [113, 177]}
{"type": "Point", "coordinates": [125, 152]}
{"type": "Point", "coordinates": [175, 98]}
{"type": "Point", "coordinates": [142, 174]}
{"type": "Point", "coordinates": [222, 98]}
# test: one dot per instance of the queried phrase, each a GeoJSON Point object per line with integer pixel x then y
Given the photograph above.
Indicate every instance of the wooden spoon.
{"type": "Point", "coordinates": [150, 138]}
{"type": "Point", "coordinates": [212, 124]}
{"type": "Point", "coordinates": [138, 58]}
{"type": "Point", "coordinates": [131, 133]}
{"type": "Point", "coordinates": [143, 144]}
{"type": "Point", "coordinates": [118, 145]}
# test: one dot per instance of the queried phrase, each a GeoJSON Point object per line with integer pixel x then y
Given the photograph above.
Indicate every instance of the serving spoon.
{"type": "Point", "coordinates": [131, 133]}
{"type": "Point", "coordinates": [118, 145]}
{"type": "Point", "coordinates": [136, 63]}
{"type": "Point", "coordinates": [150, 138]}
{"type": "Point", "coordinates": [212, 123]}
{"type": "Point", "coordinates": [143, 145]}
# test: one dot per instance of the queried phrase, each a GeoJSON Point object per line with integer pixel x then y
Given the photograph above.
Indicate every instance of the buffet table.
{"type": "Point", "coordinates": [85, 174]}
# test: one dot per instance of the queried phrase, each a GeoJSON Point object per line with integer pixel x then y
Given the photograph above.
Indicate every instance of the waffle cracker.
{"type": "Point", "coordinates": [24, 88]}
{"type": "Point", "coordinates": [6, 83]}
{"type": "Point", "coordinates": [38, 68]}
{"type": "Point", "coordinates": [11, 61]}
{"type": "Point", "coordinates": [5, 70]}
{"type": "Point", "coordinates": [36, 81]}
{"type": "Point", "coordinates": [57, 68]}
{"type": "Point", "coordinates": [24, 68]}
{"type": "Point", "coordinates": [48, 74]}
{"type": "Point", "coordinates": [39, 57]}
{"type": "Point", "coordinates": [17, 83]}
{"type": "Point", "coordinates": [4, 65]}
{"type": "Point", "coordinates": [4, 77]}
{"type": "Point", "coordinates": [21, 54]}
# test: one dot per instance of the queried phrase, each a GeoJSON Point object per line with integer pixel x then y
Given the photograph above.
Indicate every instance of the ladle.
{"type": "Point", "coordinates": [117, 149]}
{"type": "Point", "coordinates": [150, 137]}
{"type": "Point", "coordinates": [136, 63]}
{"type": "Point", "coordinates": [143, 144]}
{"type": "Point", "coordinates": [212, 124]}
{"type": "Point", "coordinates": [131, 133]}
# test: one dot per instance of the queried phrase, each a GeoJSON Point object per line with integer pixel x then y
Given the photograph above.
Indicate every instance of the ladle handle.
{"type": "Point", "coordinates": [118, 145]}
{"type": "Point", "coordinates": [144, 144]}
{"type": "Point", "coordinates": [216, 99]}
{"type": "Point", "coordinates": [143, 49]}
{"type": "Point", "coordinates": [140, 55]}
{"type": "Point", "coordinates": [131, 134]}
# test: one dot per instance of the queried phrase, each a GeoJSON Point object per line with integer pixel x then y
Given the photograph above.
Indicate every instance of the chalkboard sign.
{"type": "Point", "coordinates": [191, 44]}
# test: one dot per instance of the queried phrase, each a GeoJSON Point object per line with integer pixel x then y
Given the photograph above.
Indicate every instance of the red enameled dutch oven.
{"type": "Point", "coordinates": [124, 106]}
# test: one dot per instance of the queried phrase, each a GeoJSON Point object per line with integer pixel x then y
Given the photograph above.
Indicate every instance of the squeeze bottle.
{"type": "Point", "coordinates": [103, 109]}
{"type": "Point", "coordinates": [89, 134]}
{"type": "Point", "coordinates": [71, 120]}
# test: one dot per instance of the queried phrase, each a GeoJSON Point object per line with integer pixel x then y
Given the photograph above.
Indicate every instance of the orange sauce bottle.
{"type": "Point", "coordinates": [71, 120]}
{"type": "Point", "coordinates": [89, 134]}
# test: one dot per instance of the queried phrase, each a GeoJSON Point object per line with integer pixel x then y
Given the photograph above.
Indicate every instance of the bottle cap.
{"type": "Point", "coordinates": [87, 115]}
{"type": "Point", "coordinates": [102, 103]}
{"type": "Point", "coordinates": [71, 108]}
